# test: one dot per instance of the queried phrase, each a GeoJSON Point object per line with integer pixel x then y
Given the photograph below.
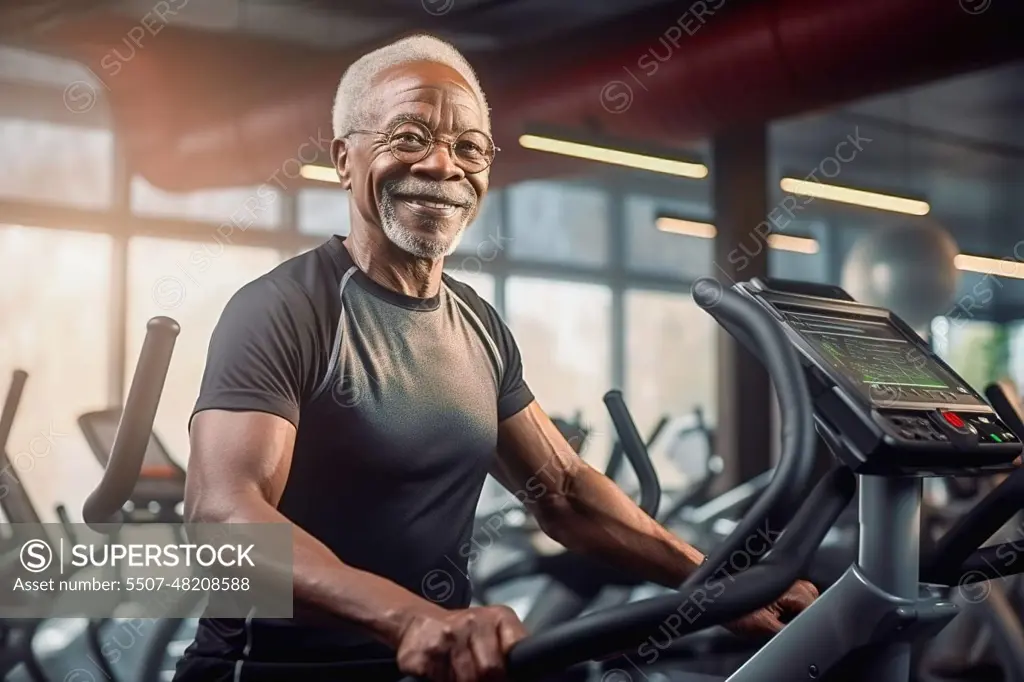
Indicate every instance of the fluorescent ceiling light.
{"type": "Point", "coordinates": [617, 157]}
{"type": "Point", "coordinates": [693, 228]}
{"type": "Point", "coordinates": [990, 266]}
{"type": "Point", "coordinates": [321, 173]}
{"type": "Point", "coordinates": [788, 242]}
{"type": "Point", "coordinates": [690, 228]}
{"type": "Point", "coordinates": [859, 197]}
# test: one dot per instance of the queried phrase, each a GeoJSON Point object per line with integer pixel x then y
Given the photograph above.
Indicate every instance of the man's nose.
{"type": "Point", "coordinates": [439, 164]}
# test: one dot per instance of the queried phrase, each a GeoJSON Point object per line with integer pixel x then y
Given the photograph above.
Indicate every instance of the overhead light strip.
{"type": "Point", "coordinates": [990, 266]}
{"type": "Point", "coordinates": [688, 228]}
{"type": "Point", "coordinates": [859, 197]}
{"type": "Point", "coordinates": [616, 157]}
{"type": "Point", "coordinates": [789, 242]}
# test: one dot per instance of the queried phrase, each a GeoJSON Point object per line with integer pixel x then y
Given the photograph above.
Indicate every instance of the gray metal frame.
{"type": "Point", "coordinates": [989, 629]}
{"type": "Point", "coordinates": [869, 618]}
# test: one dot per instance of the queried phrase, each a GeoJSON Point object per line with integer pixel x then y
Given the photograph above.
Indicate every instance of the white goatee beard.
{"type": "Point", "coordinates": [411, 242]}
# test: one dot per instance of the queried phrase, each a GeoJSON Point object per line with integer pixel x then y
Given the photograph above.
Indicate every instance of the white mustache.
{"type": "Point", "coordinates": [430, 192]}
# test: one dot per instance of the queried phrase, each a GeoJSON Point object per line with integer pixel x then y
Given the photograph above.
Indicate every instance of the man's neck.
{"type": "Point", "coordinates": [391, 267]}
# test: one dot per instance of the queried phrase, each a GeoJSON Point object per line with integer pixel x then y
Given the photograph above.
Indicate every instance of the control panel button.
{"type": "Point", "coordinates": [953, 419]}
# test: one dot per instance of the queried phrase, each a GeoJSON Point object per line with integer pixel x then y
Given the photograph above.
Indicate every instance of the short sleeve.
{"type": "Point", "coordinates": [513, 394]}
{"type": "Point", "coordinates": [262, 352]}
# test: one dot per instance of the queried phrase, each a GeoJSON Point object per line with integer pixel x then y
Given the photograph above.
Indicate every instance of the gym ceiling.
{"type": "Point", "coordinates": [219, 91]}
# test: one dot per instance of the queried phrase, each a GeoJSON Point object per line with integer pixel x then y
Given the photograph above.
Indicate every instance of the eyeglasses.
{"type": "Point", "coordinates": [410, 142]}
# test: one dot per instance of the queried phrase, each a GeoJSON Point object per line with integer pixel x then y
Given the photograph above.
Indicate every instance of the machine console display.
{"type": "Point", "coordinates": [893, 406]}
{"type": "Point", "coordinates": [881, 361]}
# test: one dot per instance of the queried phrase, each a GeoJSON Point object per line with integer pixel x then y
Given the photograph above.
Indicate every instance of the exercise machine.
{"type": "Point", "coordinates": [16, 634]}
{"type": "Point", "coordinates": [107, 509]}
{"type": "Point", "coordinates": [22, 523]}
{"type": "Point", "coordinates": [157, 497]}
{"type": "Point", "coordinates": [892, 413]}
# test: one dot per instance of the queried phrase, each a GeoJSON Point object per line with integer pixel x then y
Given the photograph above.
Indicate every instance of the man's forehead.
{"type": "Point", "coordinates": [417, 88]}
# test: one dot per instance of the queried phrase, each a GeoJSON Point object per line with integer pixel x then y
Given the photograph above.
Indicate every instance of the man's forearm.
{"type": "Point", "coordinates": [595, 517]}
{"type": "Point", "coordinates": [321, 581]}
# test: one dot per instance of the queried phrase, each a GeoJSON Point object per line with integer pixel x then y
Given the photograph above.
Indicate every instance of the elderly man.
{"type": "Point", "coordinates": [361, 394]}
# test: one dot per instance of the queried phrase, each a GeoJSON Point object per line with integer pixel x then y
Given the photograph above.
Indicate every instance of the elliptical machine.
{"type": "Point", "coordinates": [892, 413]}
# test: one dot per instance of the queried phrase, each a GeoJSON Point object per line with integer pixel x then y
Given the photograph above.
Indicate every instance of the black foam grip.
{"type": "Point", "coordinates": [635, 451]}
{"type": "Point", "coordinates": [787, 489]}
{"type": "Point", "coordinates": [103, 506]}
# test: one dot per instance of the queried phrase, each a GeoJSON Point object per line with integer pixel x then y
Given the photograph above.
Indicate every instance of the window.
{"type": "Point", "coordinates": [483, 237]}
{"type": "Point", "coordinates": [482, 283]}
{"type": "Point", "coordinates": [17, 64]}
{"type": "Point", "coordinates": [978, 351]}
{"type": "Point", "coordinates": [652, 251]}
{"type": "Point", "coordinates": [191, 282]}
{"type": "Point", "coordinates": [324, 211]}
{"type": "Point", "coordinates": [564, 334]}
{"type": "Point", "coordinates": [41, 161]}
{"type": "Point", "coordinates": [670, 361]}
{"type": "Point", "coordinates": [670, 357]}
{"type": "Point", "coordinates": [559, 223]}
{"type": "Point", "coordinates": [1015, 353]}
{"type": "Point", "coordinates": [55, 308]}
{"type": "Point", "coordinates": [242, 207]}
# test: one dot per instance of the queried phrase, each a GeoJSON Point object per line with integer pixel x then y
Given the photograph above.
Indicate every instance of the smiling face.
{"type": "Point", "coordinates": [423, 206]}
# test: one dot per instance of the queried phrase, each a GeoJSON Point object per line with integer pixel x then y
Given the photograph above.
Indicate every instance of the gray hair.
{"type": "Point", "coordinates": [351, 101]}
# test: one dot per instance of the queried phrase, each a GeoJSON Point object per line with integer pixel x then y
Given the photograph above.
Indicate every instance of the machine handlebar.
{"type": "Point", "coordinates": [103, 505]}
{"type": "Point", "coordinates": [11, 402]}
{"type": "Point", "coordinates": [635, 451]}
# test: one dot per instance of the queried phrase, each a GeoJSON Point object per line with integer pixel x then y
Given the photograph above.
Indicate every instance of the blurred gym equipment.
{"type": "Point", "coordinates": [16, 634]}
{"type": "Point", "coordinates": [157, 497]}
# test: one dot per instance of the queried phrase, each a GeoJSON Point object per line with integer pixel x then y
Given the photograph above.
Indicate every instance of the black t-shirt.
{"type": "Point", "coordinates": [396, 401]}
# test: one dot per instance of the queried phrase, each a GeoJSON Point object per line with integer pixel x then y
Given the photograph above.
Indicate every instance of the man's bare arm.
{"type": "Point", "coordinates": [580, 507]}
{"type": "Point", "coordinates": [236, 474]}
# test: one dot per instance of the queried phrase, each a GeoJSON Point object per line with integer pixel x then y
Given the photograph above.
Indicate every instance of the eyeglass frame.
{"type": "Point", "coordinates": [431, 141]}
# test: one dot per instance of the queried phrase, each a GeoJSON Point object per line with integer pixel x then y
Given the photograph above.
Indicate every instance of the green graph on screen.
{"type": "Point", "coordinates": [880, 362]}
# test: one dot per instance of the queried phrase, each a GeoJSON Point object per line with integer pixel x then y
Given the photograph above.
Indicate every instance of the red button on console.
{"type": "Point", "coordinates": [953, 419]}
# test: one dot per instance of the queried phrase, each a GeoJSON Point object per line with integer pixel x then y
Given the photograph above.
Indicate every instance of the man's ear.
{"type": "Point", "coordinates": [340, 158]}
